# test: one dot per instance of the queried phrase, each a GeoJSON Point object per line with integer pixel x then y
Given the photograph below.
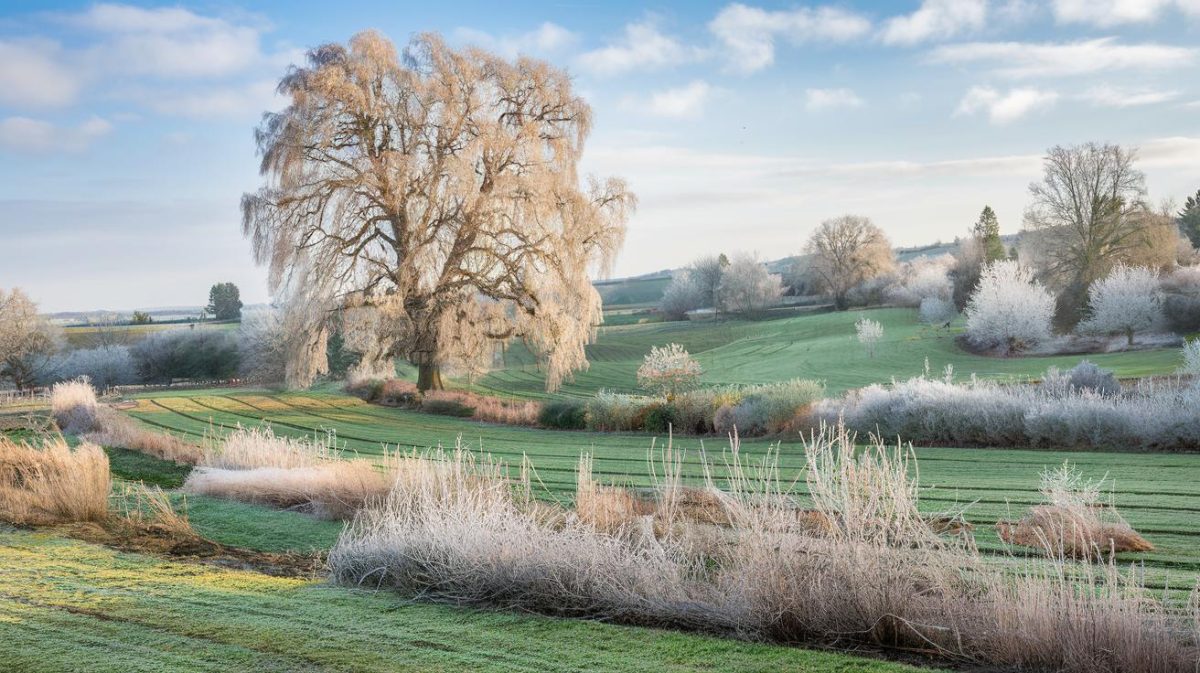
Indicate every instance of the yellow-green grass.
{"type": "Point", "coordinates": [90, 336]}
{"type": "Point", "coordinates": [818, 346]}
{"type": "Point", "coordinates": [1158, 493]}
{"type": "Point", "coordinates": [70, 606]}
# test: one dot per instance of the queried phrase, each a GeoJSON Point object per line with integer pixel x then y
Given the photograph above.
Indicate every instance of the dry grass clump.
{"type": "Point", "coordinates": [73, 405]}
{"type": "Point", "coordinates": [334, 490]}
{"type": "Point", "coordinates": [249, 448]}
{"type": "Point", "coordinates": [149, 508]}
{"type": "Point", "coordinates": [490, 409]}
{"type": "Point", "coordinates": [1074, 523]}
{"type": "Point", "coordinates": [878, 573]}
{"type": "Point", "coordinates": [309, 474]}
{"type": "Point", "coordinates": [116, 429]}
{"type": "Point", "coordinates": [51, 483]}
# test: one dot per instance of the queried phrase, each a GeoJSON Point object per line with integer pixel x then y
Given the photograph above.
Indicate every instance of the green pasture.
{"type": "Point", "coordinates": [1158, 493]}
{"type": "Point", "coordinates": [91, 336]}
{"type": "Point", "coordinates": [818, 346]}
{"type": "Point", "coordinates": [71, 606]}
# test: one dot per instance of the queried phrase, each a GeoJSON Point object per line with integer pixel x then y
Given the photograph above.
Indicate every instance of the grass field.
{"type": "Point", "coordinates": [70, 606]}
{"type": "Point", "coordinates": [1158, 493]}
{"type": "Point", "coordinates": [818, 346]}
{"type": "Point", "coordinates": [91, 336]}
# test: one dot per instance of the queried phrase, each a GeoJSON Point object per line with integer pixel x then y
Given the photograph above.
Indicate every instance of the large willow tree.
{"type": "Point", "coordinates": [428, 206]}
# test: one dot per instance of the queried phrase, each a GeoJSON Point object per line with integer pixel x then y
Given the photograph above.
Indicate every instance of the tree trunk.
{"type": "Point", "coordinates": [1129, 334]}
{"type": "Point", "coordinates": [429, 377]}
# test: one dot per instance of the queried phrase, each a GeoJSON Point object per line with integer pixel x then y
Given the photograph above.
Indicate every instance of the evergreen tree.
{"type": "Point", "coordinates": [987, 230]}
{"type": "Point", "coordinates": [1189, 219]}
{"type": "Point", "coordinates": [225, 302]}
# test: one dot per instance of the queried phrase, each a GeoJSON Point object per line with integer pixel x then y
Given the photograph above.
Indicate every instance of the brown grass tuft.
{"type": "Point", "coordinates": [116, 429]}
{"type": "Point", "coordinates": [51, 483]}
{"type": "Point", "coordinates": [73, 406]}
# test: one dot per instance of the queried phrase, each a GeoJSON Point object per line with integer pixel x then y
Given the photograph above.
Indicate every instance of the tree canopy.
{"type": "Point", "coordinates": [225, 301]}
{"type": "Point", "coordinates": [431, 202]}
{"type": "Point", "coordinates": [846, 251]}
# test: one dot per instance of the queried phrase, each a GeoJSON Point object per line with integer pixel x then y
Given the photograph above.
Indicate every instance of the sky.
{"type": "Point", "coordinates": [126, 130]}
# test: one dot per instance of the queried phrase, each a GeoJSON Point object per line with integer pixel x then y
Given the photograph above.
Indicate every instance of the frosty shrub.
{"type": "Point", "coordinates": [936, 311]}
{"type": "Point", "coordinates": [614, 412]}
{"type": "Point", "coordinates": [1126, 301]}
{"type": "Point", "coordinates": [669, 370]}
{"type": "Point", "coordinates": [1191, 358]}
{"type": "Point", "coordinates": [1087, 377]}
{"type": "Point", "coordinates": [105, 366]}
{"type": "Point", "coordinates": [1148, 416]}
{"type": "Point", "coordinates": [1009, 310]}
{"type": "Point", "coordinates": [870, 332]}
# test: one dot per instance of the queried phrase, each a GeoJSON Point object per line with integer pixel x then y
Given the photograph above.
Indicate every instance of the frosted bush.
{"type": "Point", "coordinates": [936, 311]}
{"type": "Point", "coordinates": [262, 345]}
{"type": "Point", "coordinates": [1148, 417]}
{"type": "Point", "coordinates": [614, 412]}
{"type": "Point", "coordinates": [105, 366]}
{"type": "Point", "coordinates": [869, 332]}
{"type": "Point", "coordinates": [747, 287]}
{"type": "Point", "coordinates": [1191, 358]}
{"type": "Point", "coordinates": [1009, 310]}
{"type": "Point", "coordinates": [1126, 301]}
{"type": "Point", "coordinates": [669, 370]}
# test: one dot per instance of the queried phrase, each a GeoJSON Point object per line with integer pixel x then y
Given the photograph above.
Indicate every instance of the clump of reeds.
{"type": "Point", "coordinates": [73, 405]}
{"type": "Point", "coordinates": [49, 482]}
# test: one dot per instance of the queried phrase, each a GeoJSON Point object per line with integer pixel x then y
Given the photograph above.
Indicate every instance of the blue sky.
{"type": "Point", "coordinates": [126, 129]}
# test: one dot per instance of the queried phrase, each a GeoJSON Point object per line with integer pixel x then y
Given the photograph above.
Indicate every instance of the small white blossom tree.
{"type": "Point", "coordinates": [1009, 309]}
{"type": "Point", "coordinates": [870, 332]}
{"type": "Point", "coordinates": [1126, 301]}
{"type": "Point", "coordinates": [669, 370]}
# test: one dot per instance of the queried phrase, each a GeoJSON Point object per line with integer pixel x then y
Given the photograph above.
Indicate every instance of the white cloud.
{"type": "Point", "coordinates": [1107, 13]}
{"type": "Point", "coordinates": [830, 99]}
{"type": "Point", "coordinates": [1003, 108]}
{"type": "Point", "coordinates": [33, 75]}
{"type": "Point", "coordinates": [681, 102]}
{"type": "Point", "coordinates": [1109, 96]}
{"type": "Point", "coordinates": [36, 136]}
{"type": "Point", "coordinates": [1026, 59]}
{"type": "Point", "coordinates": [936, 20]}
{"type": "Point", "coordinates": [168, 42]}
{"type": "Point", "coordinates": [546, 38]}
{"type": "Point", "coordinates": [748, 34]}
{"type": "Point", "coordinates": [1170, 152]}
{"type": "Point", "coordinates": [641, 47]}
{"type": "Point", "coordinates": [247, 101]}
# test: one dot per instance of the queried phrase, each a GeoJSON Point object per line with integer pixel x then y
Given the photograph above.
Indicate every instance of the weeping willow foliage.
{"type": "Point", "coordinates": [430, 201]}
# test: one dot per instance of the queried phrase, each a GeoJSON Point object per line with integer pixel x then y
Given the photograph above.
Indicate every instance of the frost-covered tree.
{"type": "Point", "coordinates": [681, 295]}
{"type": "Point", "coordinates": [1126, 301]}
{"type": "Point", "coordinates": [669, 370]}
{"type": "Point", "coordinates": [936, 311]}
{"type": "Point", "coordinates": [695, 286]}
{"type": "Point", "coordinates": [262, 346]}
{"type": "Point", "coordinates": [1009, 310]}
{"type": "Point", "coordinates": [845, 252]}
{"type": "Point", "coordinates": [870, 333]}
{"type": "Point", "coordinates": [921, 278]}
{"type": "Point", "coordinates": [27, 340]}
{"type": "Point", "coordinates": [747, 287]}
{"type": "Point", "coordinates": [1087, 214]}
{"type": "Point", "coordinates": [1191, 358]}
{"type": "Point", "coordinates": [410, 188]}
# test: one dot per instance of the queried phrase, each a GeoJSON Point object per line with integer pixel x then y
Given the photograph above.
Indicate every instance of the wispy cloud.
{"type": "Point", "coordinates": [680, 102]}
{"type": "Point", "coordinates": [830, 99]}
{"type": "Point", "coordinates": [936, 20]}
{"type": "Point", "coordinates": [547, 38]}
{"type": "Point", "coordinates": [1005, 107]}
{"type": "Point", "coordinates": [1108, 13]}
{"type": "Point", "coordinates": [37, 136]}
{"type": "Point", "coordinates": [1027, 59]}
{"type": "Point", "coordinates": [1106, 95]}
{"type": "Point", "coordinates": [748, 34]}
{"type": "Point", "coordinates": [641, 47]}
